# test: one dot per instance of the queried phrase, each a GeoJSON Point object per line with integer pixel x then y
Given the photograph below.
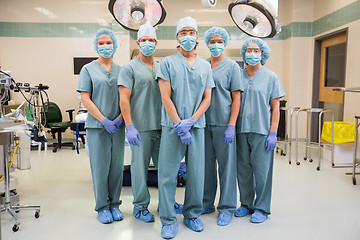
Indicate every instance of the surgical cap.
{"type": "Point", "coordinates": [186, 22]}
{"type": "Point", "coordinates": [262, 45]}
{"type": "Point", "coordinates": [104, 31]}
{"type": "Point", "coordinates": [216, 31]}
{"type": "Point", "coordinates": [146, 30]}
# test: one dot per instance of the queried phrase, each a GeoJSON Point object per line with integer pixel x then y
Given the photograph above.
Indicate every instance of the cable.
{"type": "Point", "coordinates": [17, 88]}
{"type": "Point", "coordinates": [12, 160]}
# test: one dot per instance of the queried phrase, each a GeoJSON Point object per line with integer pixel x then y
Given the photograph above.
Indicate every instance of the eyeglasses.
{"type": "Point", "coordinates": [254, 50]}
{"type": "Point", "coordinates": [150, 40]}
{"type": "Point", "coordinates": [187, 32]}
{"type": "Point", "coordinates": [104, 42]}
{"type": "Point", "coordinates": [219, 41]}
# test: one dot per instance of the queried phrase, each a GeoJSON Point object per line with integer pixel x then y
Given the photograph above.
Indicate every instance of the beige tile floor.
{"type": "Point", "coordinates": [306, 204]}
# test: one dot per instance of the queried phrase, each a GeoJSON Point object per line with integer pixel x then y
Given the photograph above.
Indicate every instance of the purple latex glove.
{"type": "Point", "coordinates": [183, 126]}
{"type": "Point", "coordinates": [109, 125]}
{"type": "Point", "coordinates": [133, 135]}
{"type": "Point", "coordinates": [117, 121]}
{"type": "Point", "coordinates": [186, 138]}
{"type": "Point", "coordinates": [271, 141]}
{"type": "Point", "coordinates": [229, 134]}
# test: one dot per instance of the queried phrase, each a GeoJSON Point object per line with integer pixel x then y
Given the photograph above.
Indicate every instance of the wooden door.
{"type": "Point", "coordinates": [332, 68]}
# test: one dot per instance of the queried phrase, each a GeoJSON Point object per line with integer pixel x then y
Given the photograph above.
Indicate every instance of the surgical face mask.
{"type": "Point", "coordinates": [252, 58]}
{"type": "Point", "coordinates": [216, 49]}
{"type": "Point", "coordinates": [147, 48]}
{"type": "Point", "coordinates": [187, 42]}
{"type": "Point", "coordinates": [106, 50]}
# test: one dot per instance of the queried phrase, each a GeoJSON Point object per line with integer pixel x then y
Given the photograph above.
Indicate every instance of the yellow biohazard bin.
{"type": "Point", "coordinates": [343, 132]}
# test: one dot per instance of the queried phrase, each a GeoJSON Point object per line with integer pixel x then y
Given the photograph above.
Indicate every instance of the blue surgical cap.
{"type": "Point", "coordinates": [262, 45]}
{"type": "Point", "coordinates": [146, 30]}
{"type": "Point", "coordinates": [186, 22]}
{"type": "Point", "coordinates": [105, 31]}
{"type": "Point", "coordinates": [216, 31]}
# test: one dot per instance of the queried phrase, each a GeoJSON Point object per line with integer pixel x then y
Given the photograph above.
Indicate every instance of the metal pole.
{"type": "Point", "coordinates": [319, 142]}
{"type": "Point", "coordinates": [290, 135]}
{"type": "Point", "coordinates": [355, 143]}
{"type": "Point", "coordinates": [332, 138]}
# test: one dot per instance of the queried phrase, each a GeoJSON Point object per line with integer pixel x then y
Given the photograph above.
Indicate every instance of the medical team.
{"type": "Point", "coordinates": [222, 119]}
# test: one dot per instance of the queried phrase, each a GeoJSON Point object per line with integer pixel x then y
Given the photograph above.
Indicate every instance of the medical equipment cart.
{"type": "Point", "coordinates": [309, 112]}
{"type": "Point", "coordinates": [6, 139]}
{"type": "Point", "coordinates": [355, 160]}
{"type": "Point", "coordinates": [289, 111]}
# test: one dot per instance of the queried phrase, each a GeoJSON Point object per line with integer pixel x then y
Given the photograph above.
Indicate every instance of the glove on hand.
{"type": "Point", "coordinates": [183, 126]}
{"type": "Point", "coordinates": [229, 134]}
{"type": "Point", "coordinates": [133, 135]}
{"type": "Point", "coordinates": [186, 138]}
{"type": "Point", "coordinates": [109, 125]}
{"type": "Point", "coordinates": [117, 121]}
{"type": "Point", "coordinates": [271, 141]}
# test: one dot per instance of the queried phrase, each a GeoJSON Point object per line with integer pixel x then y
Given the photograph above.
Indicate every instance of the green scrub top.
{"type": "Point", "coordinates": [187, 86]}
{"type": "Point", "coordinates": [227, 79]}
{"type": "Point", "coordinates": [102, 85]}
{"type": "Point", "coordinates": [145, 99]}
{"type": "Point", "coordinates": [255, 111]}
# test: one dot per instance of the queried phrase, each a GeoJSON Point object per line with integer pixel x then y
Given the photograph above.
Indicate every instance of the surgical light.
{"type": "Point", "coordinates": [257, 18]}
{"type": "Point", "coordinates": [131, 14]}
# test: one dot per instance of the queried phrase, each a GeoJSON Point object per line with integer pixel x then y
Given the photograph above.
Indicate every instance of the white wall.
{"type": "Point", "coordinates": [50, 60]}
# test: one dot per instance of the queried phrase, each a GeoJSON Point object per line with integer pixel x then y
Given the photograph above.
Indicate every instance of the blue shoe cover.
{"type": "Point", "coordinates": [224, 219]}
{"type": "Point", "coordinates": [258, 217]}
{"type": "Point", "coordinates": [117, 214]}
{"type": "Point", "coordinates": [207, 210]}
{"type": "Point", "coordinates": [242, 212]}
{"type": "Point", "coordinates": [194, 224]}
{"type": "Point", "coordinates": [105, 216]}
{"type": "Point", "coordinates": [169, 231]}
{"type": "Point", "coordinates": [178, 208]}
{"type": "Point", "coordinates": [143, 215]}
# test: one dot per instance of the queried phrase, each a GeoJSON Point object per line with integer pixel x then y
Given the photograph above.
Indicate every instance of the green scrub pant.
{"type": "Point", "coordinates": [225, 154]}
{"type": "Point", "coordinates": [140, 159]}
{"type": "Point", "coordinates": [172, 150]}
{"type": "Point", "coordinates": [106, 161]}
{"type": "Point", "coordinates": [254, 171]}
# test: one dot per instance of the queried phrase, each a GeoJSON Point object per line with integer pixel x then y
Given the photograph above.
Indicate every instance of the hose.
{"type": "Point", "coordinates": [12, 159]}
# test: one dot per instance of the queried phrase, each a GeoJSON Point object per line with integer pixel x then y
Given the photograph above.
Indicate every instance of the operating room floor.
{"type": "Point", "coordinates": [306, 204]}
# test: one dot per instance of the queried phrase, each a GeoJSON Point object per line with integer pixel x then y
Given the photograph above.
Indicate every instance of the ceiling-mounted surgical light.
{"type": "Point", "coordinates": [257, 18]}
{"type": "Point", "coordinates": [137, 10]}
{"type": "Point", "coordinates": [208, 3]}
{"type": "Point", "coordinates": [131, 14]}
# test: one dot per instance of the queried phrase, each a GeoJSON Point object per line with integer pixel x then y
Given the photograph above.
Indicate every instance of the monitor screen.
{"type": "Point", "coordinates": [79, 62]}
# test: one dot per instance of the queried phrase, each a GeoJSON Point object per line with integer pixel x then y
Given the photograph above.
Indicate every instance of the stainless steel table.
{"type": "Point", "coordinates": [6, 138]}
{"type": "Point", "coordinates": [355, 160]}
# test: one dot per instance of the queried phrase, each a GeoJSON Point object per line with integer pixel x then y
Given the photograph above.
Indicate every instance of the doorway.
{"type": "Point", "coordinates": [329, 73]}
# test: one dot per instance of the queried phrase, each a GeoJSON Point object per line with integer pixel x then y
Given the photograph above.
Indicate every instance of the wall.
{"type": "Point", "coordinates": [39, 38]}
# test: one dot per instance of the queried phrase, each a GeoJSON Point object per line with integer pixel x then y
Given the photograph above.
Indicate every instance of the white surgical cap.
{"type": "Point", "coordinates": [186, 22]}
{"type": "Point", "coordinates": [146, 30]}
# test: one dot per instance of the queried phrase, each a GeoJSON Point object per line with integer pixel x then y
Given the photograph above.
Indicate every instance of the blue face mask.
{"type": "Point", "coordinates": [106, 50]}
{"type": "Point", "coordinates": [253, 58]}
{"type": "Point", "coordinates": [187, 42]}
{"type": "Point", "coordinates": [147, 48]}
{"type": "Point", "coordinates": [216, 49]}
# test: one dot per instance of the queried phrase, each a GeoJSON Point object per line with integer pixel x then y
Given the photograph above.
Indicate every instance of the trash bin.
{"type": "Point", "coordinates": [343, 132]}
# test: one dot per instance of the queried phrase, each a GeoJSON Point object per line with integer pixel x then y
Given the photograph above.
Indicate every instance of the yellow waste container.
{"type": "Point", "coordinates": [344, 132]}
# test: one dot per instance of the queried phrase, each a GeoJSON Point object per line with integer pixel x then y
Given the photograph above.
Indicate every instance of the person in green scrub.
{"type": "Point", "coordinates": [104, 132]}
{"type": "Point", "coordinates": [185, 82]}
{"type": "Point", "coordinates": [140, 102]}
{"type": "Point", "coordinates": [220, 143]}
{"type": "Point", "coordinates": [256, 131]}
